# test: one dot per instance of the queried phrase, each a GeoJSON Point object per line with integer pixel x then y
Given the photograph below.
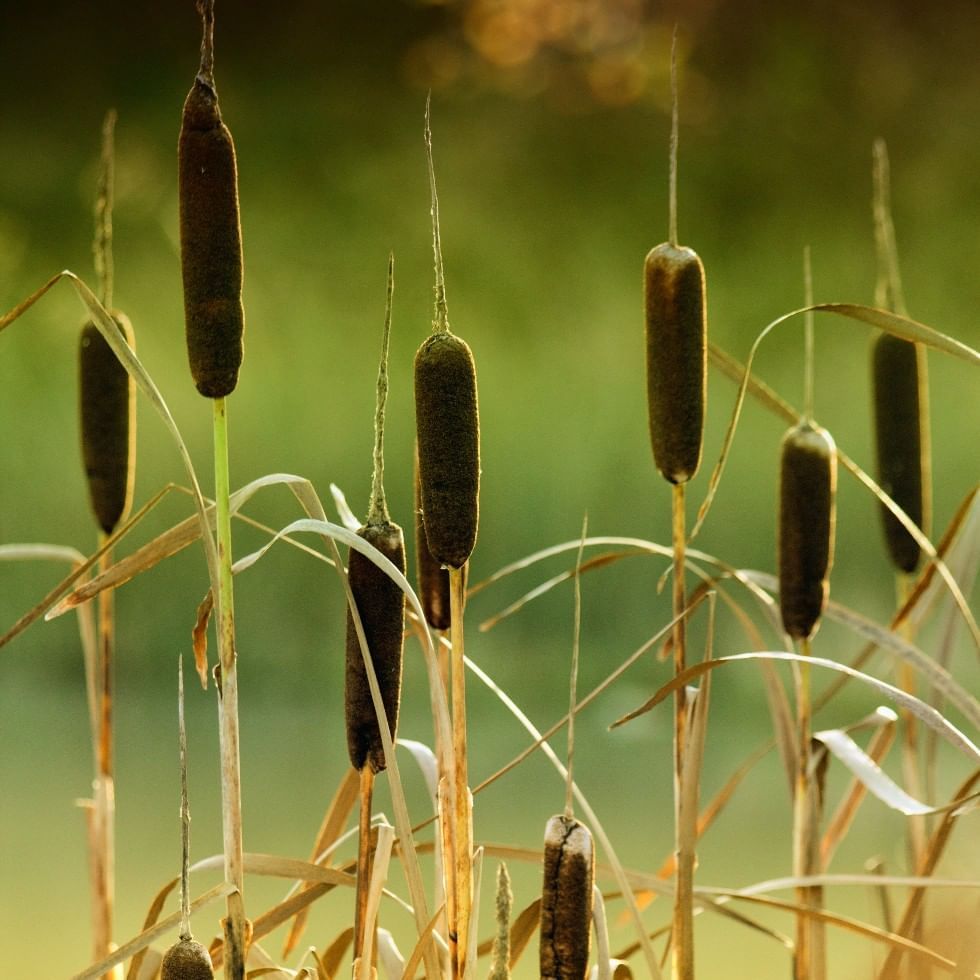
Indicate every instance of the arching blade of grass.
{"type": "Point", "coordinates": [924, 712]}
{"type": "Point", "coordinates": [150, 935]}
{"type": "Point", "coordinates": [334, 821]}
{"type": "Point", "coordinates": [939, 679]}
{"type": "Point", "coordinates": [866, 770]}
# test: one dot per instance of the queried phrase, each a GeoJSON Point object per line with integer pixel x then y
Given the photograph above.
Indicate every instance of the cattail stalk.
{"type": "Point", "coordinates": [900, 401]}
{"type": "Point", "coordinates": [186, 959]}
{"type": "Point", "coordinates": [235, 924]}
{"type": "Point", "coordinates": [381, 607]}
{"type": "Point", "coordinates": [107, 416]}
{"type": "Point", "coordinates": [447, 422]}
{"type": "Point", "coordinates": [676, 340]}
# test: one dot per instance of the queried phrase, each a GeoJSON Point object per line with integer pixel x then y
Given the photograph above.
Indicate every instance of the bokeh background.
{"type": "Point", "coordinates": [550, 122]}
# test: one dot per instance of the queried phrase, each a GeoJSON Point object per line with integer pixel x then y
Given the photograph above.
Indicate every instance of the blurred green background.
{"type": "Point", "coordinates": [550, 123]}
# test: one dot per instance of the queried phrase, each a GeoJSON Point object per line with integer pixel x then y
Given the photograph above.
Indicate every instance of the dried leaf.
{"type": "Point", "coordinates": [334, 821]}
{"type": "Point", "coordinates": [199, 637]}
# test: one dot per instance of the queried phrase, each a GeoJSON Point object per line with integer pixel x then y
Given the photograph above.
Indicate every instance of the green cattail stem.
{"type": "Point", "coordinates": [235, 923]}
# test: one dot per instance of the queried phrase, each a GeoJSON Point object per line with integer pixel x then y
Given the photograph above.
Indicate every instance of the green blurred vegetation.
{"type": "Point", "coordinates": [551, 192]}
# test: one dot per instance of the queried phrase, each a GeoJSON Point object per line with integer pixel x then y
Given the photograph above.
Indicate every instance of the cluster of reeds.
{"type": "Point", "coordinates": [382, 607]}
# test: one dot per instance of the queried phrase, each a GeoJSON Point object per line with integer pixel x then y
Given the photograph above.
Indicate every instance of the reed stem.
{"type": "Point", "coordinates": [804, 832]}
{"type": "Point", "coordinates": [683, 940]}
{"type": "Point", "coordinates": [463, 801]}
{"type": "Point", "coordinates": [227, 677]}
{"type": "Point", "coordinates": [103, 838]}
{"type": "Point", "coordinates": [365, 859]}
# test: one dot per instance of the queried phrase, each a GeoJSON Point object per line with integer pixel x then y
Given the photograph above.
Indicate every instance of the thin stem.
{"type": "Point", "coordinates": [227, 676]}
{"type": "Point", "coordinates": [674, 131]}
{"type": "Point", "coordinates": [683, 942]}
{"type": "Point", "coordinates": [103, 860]}
{"type": "Point", "coordinates": [185, 812]}
{"type": "Point", "coordinates": [808, 359]}
{"type": "Point", "coordinates": [802, 820]}
{"type": "Point", "coordinates": [573, 679]}
{"type": "Point", "coordinates": [102, 243]}
{"type": "Point", "coordinates": [365, 859]}
{"type": "Point", "coordinates": [441, 321]}
{"type": "Point", "coordinates": [378, 509]}
{"type": "Point", "coordinates": [888, 291]}
{"type": "Point", "coordinates": [463, 816]}
{"type": "Point", "coordinates": [206, 72]}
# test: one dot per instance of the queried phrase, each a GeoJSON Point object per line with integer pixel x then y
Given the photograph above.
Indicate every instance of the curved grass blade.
{"type": "Point", "coordinates": [924, 712]}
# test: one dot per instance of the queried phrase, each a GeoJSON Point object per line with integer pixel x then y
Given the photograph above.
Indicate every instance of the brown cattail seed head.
{"type": "Point", "coordinates": [897, 369]}
{"type": "Point", "coordinates": [448, 427]}
{"type": "Point", "coordinates": [676, 340]}
{"type": "Point", "coordinates": [210, 244]}
{"type": "Point", "coordinates": [381, 606]}
{"type": "Point", "coordinates": [566, 899]}
{"type": "Point", "coordinates": [432, 579]}
{"type": "Point", "coordinates": [807, 489]}
{"type": "Point", "coordinates": [108, 423]}
{"type": "Point", "coordinates": [187, 960]}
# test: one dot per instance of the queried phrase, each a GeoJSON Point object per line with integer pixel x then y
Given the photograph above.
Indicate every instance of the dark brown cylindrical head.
{"type": "Point", "coordinates": [187, 960]}
{"type": "Point", "coordinates": [108, 423]}
{"type": "Point", "coordinates": [897, 371]}
{"type": "Point", "coordinates": [210, 244]}
{"type": "Point", "coordinates": [431, 578]}
{"type": "Point", "coordinates": [807, 490]}
{"type": "Point", "coordinates": [381, 606]}
{"type": "Point", "coordinates": [676, 340]}
{"type": "Point", "coordinates": [566, 900]}
{"type": "Point", "coordinates": [448, 427]}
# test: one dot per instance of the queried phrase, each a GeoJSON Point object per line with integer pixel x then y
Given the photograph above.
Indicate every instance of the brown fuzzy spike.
{"type": "Point", "coordinates": [897, 369]}
{"type": "Point", "coordinates": [448, 426]}
{"type": "Point", "coordinates": [676, 341]}
{"type": "Point", "coordinates": [566, 899]}
{"type": "Point", "coordinates": [187, 960]}
{"type": "Point", "coordinates": [210, 240]}
{"type": "Point", "coordinates": [807, 489]}
{"type": "Point", "coordinates": [432, 579]}
{"type": "Point", "coordinates": [108, 423]}
{"type": "Point", "coordinates": [381, 606]}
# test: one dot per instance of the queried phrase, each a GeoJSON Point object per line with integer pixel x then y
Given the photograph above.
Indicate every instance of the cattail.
{"type": "Point", "coordinates": [381, 606]}
{"type": "Point", "coordinates": [210, 232]}
{"type": "Point", "coordinates": [187, 959]}
{"type": "Point", "coordinates": [676, 341]}
{"type": "Point", "coordinates": [807, 487]}
{"type": "Point", "coordinates": [448, 427]}
{"type": "Point", "coordinates": [447, 421]}
{"type": "Point", "coordinates": [380, 602]}
{"type": "Point", "coordinates": [897, 370]}
{"type": "Point", "coordinates": [431, 577]}
{"type": "Point", "coordinates": [106, 409]}
{"type": "Point", "coordinates": [566, 899]}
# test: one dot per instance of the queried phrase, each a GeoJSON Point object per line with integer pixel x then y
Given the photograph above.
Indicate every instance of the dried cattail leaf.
{"type": "Point", "coordinates": [566, 899]}
{"type": "Point", "coordinates": [108, 423]}
{"type": "Point", "coordinates": [676, 341]}
{"type": "Point", "coordinates": [210, 243]}
{"type": "Point", "coordinates": [897, 370]}
{"type": "Point", "coordinates": [807, 489]}
{"type": "Point", "coordinates": [381, 607]}
{"type": "Point", "coordinates": [448, 426]}
{"type": "Point", "coordinates": [187, 960]}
